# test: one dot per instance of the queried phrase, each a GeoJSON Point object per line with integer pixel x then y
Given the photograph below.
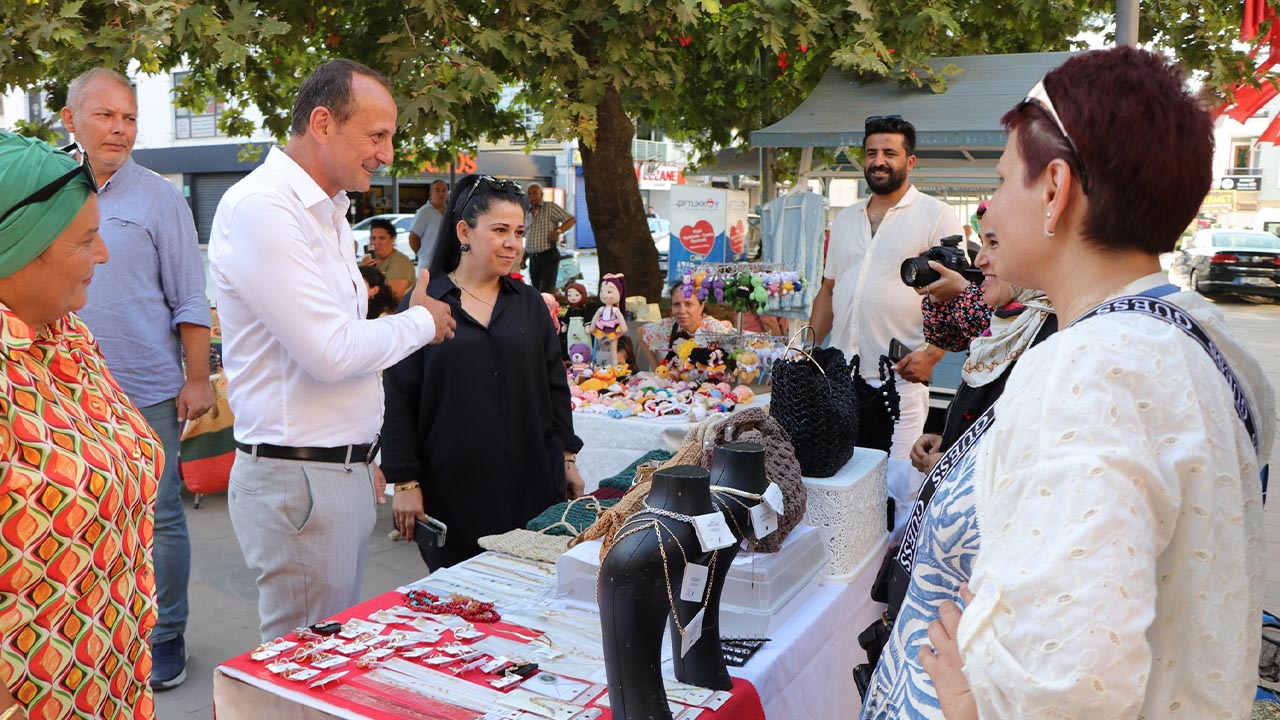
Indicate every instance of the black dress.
{"type": "Point", "coordinates": [481, 420]}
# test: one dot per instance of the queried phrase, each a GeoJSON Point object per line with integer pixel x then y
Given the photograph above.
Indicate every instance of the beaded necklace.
{"type": "Point", "coordinates": [467, 608]}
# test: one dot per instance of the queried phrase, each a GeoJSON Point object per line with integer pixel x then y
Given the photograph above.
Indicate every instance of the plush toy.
{"type": "Point", "coordinates": [748, 369]}
{"type": "Point", "coordinates": [579, 356]}
{"type": "Point", "coordinates": [717, 289]}
{"type": "Point", "coordinates": [553, 306]}
{"type": "Point", "coordinates": [608, 324]}
{"type": "Point", "coordinates": [759, 295]}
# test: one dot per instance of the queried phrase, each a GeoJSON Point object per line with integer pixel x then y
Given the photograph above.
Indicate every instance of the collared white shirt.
{"type": "Point", "coordinates": [870, 303]}
{"type": "Point", "coordinates": [301, 360]}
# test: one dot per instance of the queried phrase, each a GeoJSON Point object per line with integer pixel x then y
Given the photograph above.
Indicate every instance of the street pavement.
{"type": "Point", "coordinates": [224, 619]}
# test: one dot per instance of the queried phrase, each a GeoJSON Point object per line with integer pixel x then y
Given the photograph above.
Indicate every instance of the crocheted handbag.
{"type": "Point", "coordinates": [815, 402]}
{"type": "Point", "coordinates": [878, 407]}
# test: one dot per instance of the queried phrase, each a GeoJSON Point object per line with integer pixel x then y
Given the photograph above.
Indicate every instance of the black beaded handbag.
{"type": "Point", "coordinates": [878, 407]}
{"type": "Point", "coordinates": [814, 400]}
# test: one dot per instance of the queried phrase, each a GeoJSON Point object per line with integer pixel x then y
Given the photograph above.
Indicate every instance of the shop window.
{"type": "Point", "coordinates": [201, 123]}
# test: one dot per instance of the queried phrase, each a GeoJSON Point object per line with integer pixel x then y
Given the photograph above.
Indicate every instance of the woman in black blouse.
{"type": "Point", "coordinates": [478, 430]}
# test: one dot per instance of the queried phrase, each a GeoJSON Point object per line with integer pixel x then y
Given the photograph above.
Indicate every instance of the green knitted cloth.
{"type": "Point", "coordinates": [623, 480]}
{"type": "Point", "coordinates": [580, 514]}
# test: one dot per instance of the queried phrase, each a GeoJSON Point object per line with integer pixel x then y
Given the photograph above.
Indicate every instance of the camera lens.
{"type": "Point", "coordinates": [917, 273]}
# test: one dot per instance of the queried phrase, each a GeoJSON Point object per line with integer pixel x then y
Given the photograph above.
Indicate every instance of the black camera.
{"type": "Point", "coordinates": [917, 273]}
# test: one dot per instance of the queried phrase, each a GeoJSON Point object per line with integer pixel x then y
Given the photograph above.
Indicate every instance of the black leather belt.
{"type": "Point", "coordinates": [345, 454]}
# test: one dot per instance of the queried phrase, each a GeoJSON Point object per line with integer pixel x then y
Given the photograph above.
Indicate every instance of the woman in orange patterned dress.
{"type": "Point", "coordinates": [78, 464]}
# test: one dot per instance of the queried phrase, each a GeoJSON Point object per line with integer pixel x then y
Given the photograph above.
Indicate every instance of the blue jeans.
{"type": "Point", "coordinates": [172, 553]}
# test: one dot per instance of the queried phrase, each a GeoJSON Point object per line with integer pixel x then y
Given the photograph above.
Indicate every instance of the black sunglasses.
{"type": "Point", "coordinates": [1040, 98]}
{"type": "Point", "coordinates": [878, 118]}
{"type": "Point", "coordinates": [494, 184]}
{"type": "Point", "coordinates": [58, 183]}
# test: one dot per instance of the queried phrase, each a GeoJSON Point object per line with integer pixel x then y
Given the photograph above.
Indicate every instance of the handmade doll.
{"type": "Point", "coordinates": [576, 305]}
{"type": "Point", "coordinates": [608, 324]}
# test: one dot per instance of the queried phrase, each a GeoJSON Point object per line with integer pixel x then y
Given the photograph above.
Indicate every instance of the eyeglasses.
{"type": "Point", "coordinates": [494, 184]}
{"type": "Point", "coordinates": [1040, 98]}
{"type": "Point", "coordinates": [877, 118]}
{"type": "Point", "coordinates": [58, 183]}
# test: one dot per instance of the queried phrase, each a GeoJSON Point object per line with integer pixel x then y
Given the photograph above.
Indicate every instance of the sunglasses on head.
{"type": "Point", "coordinates": [60, 182]}
{"type": "Point", "coordinates": [493, 184]}
{"type": "Point", "coordinates": [877, 118]}
{"type": "Point", "coordinates": [1040, 98]}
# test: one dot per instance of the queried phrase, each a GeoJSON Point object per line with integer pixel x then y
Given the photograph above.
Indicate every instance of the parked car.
{"type": "Point", "coordinates": [1228, 261]}
{"type": "Point", "coordinates": [402, 222]}
{"type": "Point", "coordinates": [661, 231]}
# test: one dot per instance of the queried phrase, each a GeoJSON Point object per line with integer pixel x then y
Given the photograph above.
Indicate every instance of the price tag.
{"type": "Point", "coordinates": [712, 531]}
{"type": "Point", "coordinates": [302, 675]}
{"type": "Point", "coordinates": [494, 664]}
{"type": "Point", "coordinates": [330, 662]}
{"type": "Point", "coordinates": [695, 581]}
{"type": "Point", "coordinates": [773, 498]}
{"type": "Point", "coordinates": [763, 520]}
{"type": "Point", "coordinates": [506, 681]}
{"type": "Point", "coordinates": [692, 632]}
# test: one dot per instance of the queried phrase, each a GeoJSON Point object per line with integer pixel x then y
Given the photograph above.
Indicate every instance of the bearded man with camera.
{"type": "Point", "coordinates": [863, 302]}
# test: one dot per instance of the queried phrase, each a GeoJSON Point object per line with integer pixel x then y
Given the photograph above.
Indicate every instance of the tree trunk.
{"type": "Point", "coordinates": [614, 203]}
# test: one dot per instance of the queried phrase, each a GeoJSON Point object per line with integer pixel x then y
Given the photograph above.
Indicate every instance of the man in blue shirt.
{"type": "Point", "coordinates": [147, 307]}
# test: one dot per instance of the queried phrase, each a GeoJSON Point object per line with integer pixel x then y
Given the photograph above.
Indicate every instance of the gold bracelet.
{"type": "Point", "coordinates": [14, 711]}
{"type": "Point", "coordinates": [400, 487]}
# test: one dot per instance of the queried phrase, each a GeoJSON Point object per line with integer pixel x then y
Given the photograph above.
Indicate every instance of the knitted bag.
{"type": "Point", "coordinates": [815, 401]}
{"type": "Point", "coordinates": [750, 425]}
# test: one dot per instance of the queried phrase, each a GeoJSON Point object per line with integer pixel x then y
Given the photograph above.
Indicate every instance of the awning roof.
{"type": "Point", "coordinates": [962, 123]}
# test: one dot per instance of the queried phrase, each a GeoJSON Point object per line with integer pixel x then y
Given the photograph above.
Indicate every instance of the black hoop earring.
{"type": "Point", "coordinates": [465, 247]}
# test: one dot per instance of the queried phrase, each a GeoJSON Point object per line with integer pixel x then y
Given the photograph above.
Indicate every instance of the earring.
{"type": "Point", "coordinates": [1049, 233]}
{"type": "Point", "coordinates": [465, 247]}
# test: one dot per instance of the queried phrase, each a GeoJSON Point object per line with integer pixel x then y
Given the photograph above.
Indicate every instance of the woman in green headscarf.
{"type": "Point", "coordinates": [78, 464]}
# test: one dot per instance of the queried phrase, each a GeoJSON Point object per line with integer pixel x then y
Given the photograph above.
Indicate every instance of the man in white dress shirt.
{"type": "Point", "coordinates": [302, 361]}
{"type": "Point", "coordinates": [863, 302]}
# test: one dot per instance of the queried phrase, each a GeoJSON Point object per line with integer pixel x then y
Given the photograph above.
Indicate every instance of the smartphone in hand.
{"type": "Point", "coordinates": [897, 351]}
{"type": "Point", "coordinates": [430, 532]}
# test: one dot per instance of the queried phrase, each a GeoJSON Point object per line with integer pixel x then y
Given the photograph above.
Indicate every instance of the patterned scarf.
{"type": "Point", "coordinates": [1013, 328]}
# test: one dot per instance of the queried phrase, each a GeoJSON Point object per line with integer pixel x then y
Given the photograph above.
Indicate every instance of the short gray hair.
{"type": "Point", "coordinates": [79, 88]}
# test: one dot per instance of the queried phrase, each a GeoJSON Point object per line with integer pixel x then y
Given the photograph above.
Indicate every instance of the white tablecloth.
{"type": "Point", "coordinates": [804, 673]}
{"type": "Point", "coordinates": [610, 445]}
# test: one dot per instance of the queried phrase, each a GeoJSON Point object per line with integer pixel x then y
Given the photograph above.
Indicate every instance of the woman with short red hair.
{"type": "Point", "coordinates": [1106, 514]}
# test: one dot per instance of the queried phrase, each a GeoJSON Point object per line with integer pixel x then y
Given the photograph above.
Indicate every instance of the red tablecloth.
{"type": "Point", "coordinates": [378, 701]}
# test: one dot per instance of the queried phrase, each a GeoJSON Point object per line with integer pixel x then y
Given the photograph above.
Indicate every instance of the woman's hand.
{"type": "Point", "coordinates": [926, 452]}
{"type": "Point", "coordinates": [406, 507]}
{"type": "Point", "coordinates": [941, 659]}
{"type": "Point", "coordinates": [946, 288]}
{"type": "Point", "coordinates": [573, 484]}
